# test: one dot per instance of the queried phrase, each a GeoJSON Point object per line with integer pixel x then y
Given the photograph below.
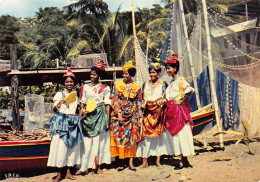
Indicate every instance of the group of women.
{"type": "Point", "coordinates": [133, 121]}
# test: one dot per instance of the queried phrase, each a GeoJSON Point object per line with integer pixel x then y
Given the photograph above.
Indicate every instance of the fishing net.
{"type": "Point", "coordinates": [236, 58]}
{"type": "Point", "coordinates": [236, 63]}
{"type": "Point", "coordinates": [34, 112]}
{"type": "Point", "coordinates": [142, 65]}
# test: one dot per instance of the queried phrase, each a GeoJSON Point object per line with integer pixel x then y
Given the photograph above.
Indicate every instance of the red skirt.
{"type": "Point", "coordinates": [177, 116]}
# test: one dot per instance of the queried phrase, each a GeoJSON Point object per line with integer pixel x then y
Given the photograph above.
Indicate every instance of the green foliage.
{"type": "Point", "coordinates": [245, 135]}
{"type": "Point", "coordinates": [47, 91]}
{"type": "Point", "coordinates": [8, 27]}
{"type": "Point", "coordinates": [5, 98]}
{"type": "Point", "coordinates": [80, 8]}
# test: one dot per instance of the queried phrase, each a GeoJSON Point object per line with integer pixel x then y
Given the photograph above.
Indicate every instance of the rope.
{"type": "Point", "coordinates": [248, 26]}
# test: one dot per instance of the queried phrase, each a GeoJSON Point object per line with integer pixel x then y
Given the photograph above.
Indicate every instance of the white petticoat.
{"type": "Point", "coordinates": [182, 143]}
{"type": "Point", "coordinates": [98, 146]}
{"type": "Point", "coordinates": [153, 146]}
{"type": "Point", "coordinates": [61, 155]}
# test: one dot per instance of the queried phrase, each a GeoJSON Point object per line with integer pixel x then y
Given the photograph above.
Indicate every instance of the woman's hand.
{"type": "Point", "coordinates": [140, 122]}
{"type": "Point", "coordinates": [120, 118]}
{"type": "Point", "coordinates": [60, 103]}
{"type": "Point", "coordinates": [161, 102]}
{"type": "Point", "coordinates": [83, 111]}
{"type": "Point", "coordinates": [121, 122]}
{"type": "Point", "coordinates": [180, 101]}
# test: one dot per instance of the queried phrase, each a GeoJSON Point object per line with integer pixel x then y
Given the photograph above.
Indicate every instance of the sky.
{"type": "Point", "coordinates": [28, 8]}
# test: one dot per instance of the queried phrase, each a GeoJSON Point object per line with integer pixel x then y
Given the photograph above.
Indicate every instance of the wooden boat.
{"type": "Point", "coordinates": [201, 120]}
{"type": "Point", "coordinates": [17, 155]}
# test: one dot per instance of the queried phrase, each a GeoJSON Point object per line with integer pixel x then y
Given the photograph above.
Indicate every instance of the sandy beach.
{"type": "Point", "coordinates": [214, 165]}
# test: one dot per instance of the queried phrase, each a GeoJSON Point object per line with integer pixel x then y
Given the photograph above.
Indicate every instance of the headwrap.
{"type": "Point", "coordinates": [155, 64]}
{"type": "Point", "coordinates": [69, 73]}
{"type": "Point", "coordinates": [128, 65]}
{"type": "Point", "coordinates": [173, 59]}
{"type": "Point", "coordinates": [100, 64]}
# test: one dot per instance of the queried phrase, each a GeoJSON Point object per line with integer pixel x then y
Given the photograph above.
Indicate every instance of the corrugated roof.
{"type": "Point", "coordinates": [253, 8]}
{"type": "Point", "coordinates": [246, 25]}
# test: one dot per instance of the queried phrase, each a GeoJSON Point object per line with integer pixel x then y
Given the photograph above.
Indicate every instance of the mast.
{"type": "Point", "coordinates": [187, 41]}
{"type": "Point", "coordinates": [211, 73]}
{"type": "Point", "coordinates": [134, 35]}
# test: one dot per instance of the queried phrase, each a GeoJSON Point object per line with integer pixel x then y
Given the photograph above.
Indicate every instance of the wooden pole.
{"type": "Point", "coordinates": [114, 73]}
{"type": "Point", "coordinates": [189, 54]}
{"type": "Point", "coordinates": [178, 29]}
{"type": "Point", "coordinates": [134, 35]}
{"type": "Point", "coordinates": [211, 73]}
{"type": "Point", "coordinates": [14, 88]}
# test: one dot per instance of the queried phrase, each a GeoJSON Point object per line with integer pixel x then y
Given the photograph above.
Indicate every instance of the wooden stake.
{"type": "Point", "coordinates": [14, 88]}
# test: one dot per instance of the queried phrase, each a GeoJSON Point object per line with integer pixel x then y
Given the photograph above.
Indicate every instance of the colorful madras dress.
{"type": "Point", "coordinates": [128, 102]}
{"type": "Point", "coordinates": [94, 125]}
{"type": "Point", "coordinates": [178, 120]}
{"type": "Point", "coordinates": [155, 142]}
{"type": "Point", "coordinates": [66, 134]}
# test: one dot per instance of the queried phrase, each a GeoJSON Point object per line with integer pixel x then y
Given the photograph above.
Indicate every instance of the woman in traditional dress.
{"type": "Point", "coordinates": [66, 131]}
{"type": "Point", "coordinates": [95, 124]}
{"type": "Point", "coordinates": [178, 120]}
{"type": "Point", "coordinates": [155, 143]}
{"type": "Point", "coordinates": [126, 116]}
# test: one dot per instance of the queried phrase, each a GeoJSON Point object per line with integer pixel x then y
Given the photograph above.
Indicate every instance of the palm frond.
{"type": "Point", "coordinates": [76, 50]}
{"type": "Point", "coordinates": [160, 20]}
{"type": "Point", "coordinates": [125, 43]}
{"type": "Point", "coordinates": [231, 132]}
{"type": "Point", "coordinates": [140, 33]}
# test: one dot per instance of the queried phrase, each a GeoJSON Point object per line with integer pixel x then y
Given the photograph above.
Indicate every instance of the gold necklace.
{"type": "Point", "coordinates": [94, 84]}
{"type": "Point", "coordinates": [154, 85]}
{"type": "Point", "coordinates": [129, 84]}
{"type": "Point", "coordinates": [176, 76]}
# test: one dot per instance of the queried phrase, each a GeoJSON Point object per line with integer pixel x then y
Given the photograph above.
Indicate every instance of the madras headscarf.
{"type": "Point", "coordinates": [69, 73]}
{"type": "Point", "coordinates": [173, 59]}
{"type": "Point", "coordinates": [128, 65]}
{"type": "Point", "coordinates": [100, 64]}
{"type": "Point", "coordinates": [155, 64]}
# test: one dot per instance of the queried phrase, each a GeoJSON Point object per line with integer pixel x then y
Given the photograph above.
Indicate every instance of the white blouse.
{"type": "Point", "coordinates": [172, 92]}
{"type": "Point", "coordinates": [96, 94]}
{"type": "Point", "coordinates": [153, 93]}
{"type": "Point", "coordinates": [65, 108]}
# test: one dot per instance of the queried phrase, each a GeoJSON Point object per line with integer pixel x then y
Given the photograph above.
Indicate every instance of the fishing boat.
{"type": "Point", "coordinates": [202, 118]}
{"type": "Point", "coordinates": [18, 155]}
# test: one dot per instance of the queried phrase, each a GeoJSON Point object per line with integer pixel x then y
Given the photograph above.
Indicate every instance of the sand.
{"type": "Point", "coordinates": [232, 164]}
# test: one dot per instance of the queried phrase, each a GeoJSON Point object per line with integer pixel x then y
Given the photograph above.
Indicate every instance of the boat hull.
{"type": "Point", "coordinates": [201, 121]}
{"type": "Point", "coordinates": [23, 154]}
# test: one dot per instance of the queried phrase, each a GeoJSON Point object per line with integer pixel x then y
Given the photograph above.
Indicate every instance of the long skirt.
{"type": "Point", "coordinates": [122, 151]}
{"type": "Point", "coordinates": [182, 143]}
{"type": "Point", "coordinates": [96, 151]}
{"type": "Point", "coordinates": [154, 146]}
{"type": "Point", "coordinates": [61, 155]}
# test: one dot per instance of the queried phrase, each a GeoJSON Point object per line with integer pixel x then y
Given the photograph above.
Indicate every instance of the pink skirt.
{"type": "Point", "coordinates": [177, 116]}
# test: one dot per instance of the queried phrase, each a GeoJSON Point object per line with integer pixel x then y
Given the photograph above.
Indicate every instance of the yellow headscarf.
{"type": "Point", "coordinates": [155, 64]}
{"type": "Point", "coordinates": [128, 65]}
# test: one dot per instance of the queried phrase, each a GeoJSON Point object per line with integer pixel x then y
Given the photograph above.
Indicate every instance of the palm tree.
{"type": "Point", "coordinates": [79, 9]}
